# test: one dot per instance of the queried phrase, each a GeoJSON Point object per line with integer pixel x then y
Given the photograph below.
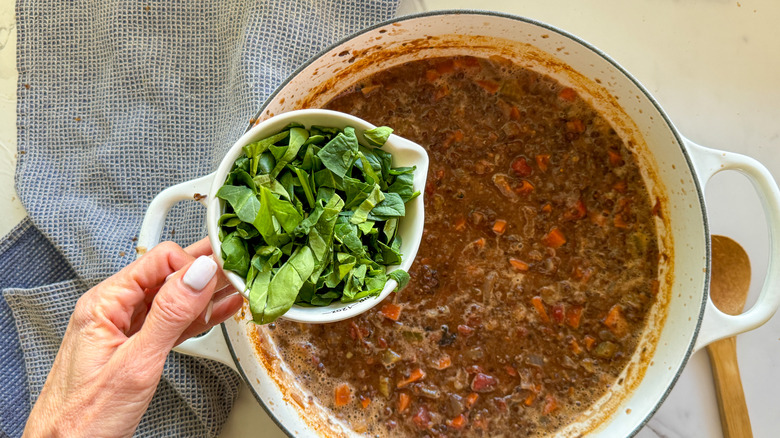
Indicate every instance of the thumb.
{"type": "Point", "coordinates": [178, 304]}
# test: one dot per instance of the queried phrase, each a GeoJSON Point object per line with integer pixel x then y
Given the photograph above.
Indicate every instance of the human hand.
{"type": "Point", "coordinates": [115, 345]}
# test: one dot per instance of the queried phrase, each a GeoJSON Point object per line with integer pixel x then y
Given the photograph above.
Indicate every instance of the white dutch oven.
{"type": "Point", "coordinates": [675, 169]}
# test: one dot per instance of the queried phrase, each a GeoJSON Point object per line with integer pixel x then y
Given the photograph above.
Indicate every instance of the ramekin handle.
{"type": "Point", "coordinates": [151, 227]}
{"type": "Point", "coordinates": [716, 324]}
{"type": "Point", "coordinates": [211, 345]}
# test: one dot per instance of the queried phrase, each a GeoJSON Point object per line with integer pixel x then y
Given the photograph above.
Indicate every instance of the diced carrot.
{"type": "Point", "coordinates": [521, 167]}
{"type": "Point", "coordinates": [479, 243]}
{"type": "Point", "coordinates": [443, 363]}
{"type": "Point", "coordinates": [403, 401]}
{"type": "Point", "coordinates": [615, 321]}
{"type": "Point", "coordinates": [558, 313]}
{"type": "Point", "coordinates": [573, 316]}
{"type": "Point", "coordinates": [471, 399]}
{"type": "Point", "coordinates": [460, 224]}
{"type": "Point", "coordinates": [554, 239]}
{"type": "Point", "coordinates": [519, 265]}
{"type": "Point", "coordinates": [441, 92]}
{"type": "Point", "coordinates": [447, 66]}
{"type": "Point", "coordinates": [589, 341]}
{"type": "Point", "coordinates": [511, 371]}
{"type": "Point", "coordinates": [576, 126]}
{"type": "Point", "coordinates": [547, 208]}
{"type": "Point", "coordinates": [368, 89]}
{"type": "Point", "coordinates": [575, 346]}
{"type": "Point", "coordinates": [452, 137]}
{"type": "Point", "coordinates": [499, 226]}
{"type": "Point", "coordinates": [539, 306]}
{"type": "Point", "coordinates": [550, 404]}
{"type": "Point", "coordinates": [489, 86]}
{"type": "Point", "coordinates": [364, 401]}
{"type": "Point", "coordinates": [458, 422]}
{"type": "Point", "coordinates": [576, 211]}
{"type": "Point", "coordinates": [465, 330]}
{"type": "Point", "coordinates": [514, 113]}
{"type": "Point", "coordinates": [431, 75]}
{"type": "Point", "coordinates": [343, 395]}
{"type": "Point", "coordinates": [620, 186]}
{"type": "Point", "coordinates": [525, 187]}
{"type": "Point", "coordinates": [615, 159]}
{"type": "Point", "coordinates": [415, 375]}
{"type": "Point", "coordinates": [530, 399]}
{"type": "Point", "coordinates": [568, 94]}
{"type": "Point", "coordinates": [391, 311]}
{"type": "Point", "coordinates": [543, 162]}
{"type": "Point", "coordinates": [620, 222]}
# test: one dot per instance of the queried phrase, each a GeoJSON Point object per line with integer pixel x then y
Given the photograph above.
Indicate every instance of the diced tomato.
{"type": "Point", "coordinates": [546, 208]}
{"type": "Point", "coordinates": [550, 404]}
{"type": "Point", "coordinates": [568, 94]}
{"type": "Point", "coordinates": [489, 86]}
{"type": "Point", "coordinates": [404, 400]}
{"type": "Point", "coordinates": [471, 399]}
{"type": "Point", "coordinates": [458, 422]}
{"type": "Point", "coordinates": [499, 226]}
{"type": "Point", "coordinates": [483, 383]}
{"type": "Point", "coordinates": [519, 265]}
{"type": "Point", "coordinates": [589, 342]}
{"type": "Point", "coordinates": [460, 224]}
{"type": "Point", "coordinates": [539, 306]}
{"type": "Point", "coordinates": [422, 419]}
{"type": "Point", "coordinates": [443, 363]}
{"type": "Point", "coordinates": [573, 316]}
{"type": "Point", "coordinates": [364, 401]}
{"type": "Point", "coordinates": [558, 313]}
{"type": "Point", "coordinates": [530, 399]}
{"type": "Point", "coordinates": [554, 239]}
{"type": "Point", "coordinates": [521, 167]}
{"type": "Point", "coordinates": [391, 311]}
{"type": "Point", "coordinates": [343, 395]}
{"type": "Point", "coordinates": [479, 243]}
{"type": "Point", "coordinates": [415, 375]}
{"type": "Point", "coordinates": [511, 371]}
{"type": "Point", "coordinates": [543, 162]}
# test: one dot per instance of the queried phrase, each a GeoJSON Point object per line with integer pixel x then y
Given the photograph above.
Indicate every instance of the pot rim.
{"type": "Point", "coordinates": [595, 50]}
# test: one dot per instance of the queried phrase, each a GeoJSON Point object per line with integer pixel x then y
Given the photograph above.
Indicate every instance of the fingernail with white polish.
{"type": "Point", "coordinates": [209, 310]}
{"type": "Point", "coordinates": [200, 273]}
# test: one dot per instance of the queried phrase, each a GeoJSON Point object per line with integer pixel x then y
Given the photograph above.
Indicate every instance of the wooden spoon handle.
{"type": "Point", "coordinates": [734, 416]}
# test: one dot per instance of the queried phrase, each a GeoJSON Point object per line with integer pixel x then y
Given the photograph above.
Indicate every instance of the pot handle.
{"type": "Point", "coordinates": [716, 324]}
{"type": "Point", "coordinates": [151, 227]}
{"type": "Point", "coordinates": [211, 345]}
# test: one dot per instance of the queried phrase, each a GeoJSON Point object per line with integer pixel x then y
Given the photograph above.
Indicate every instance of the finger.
{"type": "Point", "coordinates": [150, 271]}
{"type": "Point", "coordinates": [177, 305]}
{"type": "Point", "coordinates": [223, 309]}
{"type": "Point", "coordinates": [199, 248]}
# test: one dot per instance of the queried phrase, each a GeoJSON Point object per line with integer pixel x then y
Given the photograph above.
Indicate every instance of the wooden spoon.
{"type": "Point", "coordinates": [729, 286]}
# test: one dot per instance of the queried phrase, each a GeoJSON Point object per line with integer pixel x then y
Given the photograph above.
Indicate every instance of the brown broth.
{"type": "Point", "coordinates": [537, 267]}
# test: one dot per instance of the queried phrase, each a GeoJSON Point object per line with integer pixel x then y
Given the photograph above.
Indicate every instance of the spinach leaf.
{"type": "Point", "coordinates": [392, 205]}
{"type": "Point", "coordinates": [361, 214]}
{"type": "Point", "coordinates": [401, 277]}
{"type": "Point", "coordinates": [235, 254]}
{"type": "Point", "coordinates": [339, 154]}
{"type": "Point", "coordinates": [243, 201]}
{"type": "Point", "coordinates": [378, 136]}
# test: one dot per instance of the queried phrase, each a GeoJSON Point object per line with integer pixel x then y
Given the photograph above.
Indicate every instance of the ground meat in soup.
{"type": "Point", "coordinates": [537, 267]}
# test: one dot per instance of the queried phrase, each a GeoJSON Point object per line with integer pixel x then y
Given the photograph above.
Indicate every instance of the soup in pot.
{"type": "Point", "coordinates": [537, 268]}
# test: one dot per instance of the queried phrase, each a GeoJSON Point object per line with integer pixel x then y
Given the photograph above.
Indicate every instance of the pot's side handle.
{"type": "Point", "coordinates": [211, 345]}
{"type": "Point", "coordinates": [716, 324]}
{"type": "Point", "coordinates": [151, 227]}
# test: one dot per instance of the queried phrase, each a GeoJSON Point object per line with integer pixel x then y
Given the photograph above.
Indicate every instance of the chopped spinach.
{"type": "Point", "coordinates": [311, 218]}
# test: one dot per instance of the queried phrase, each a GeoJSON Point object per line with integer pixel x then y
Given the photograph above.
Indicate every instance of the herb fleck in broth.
{"type": "Point", "coordinates": [537, 268]}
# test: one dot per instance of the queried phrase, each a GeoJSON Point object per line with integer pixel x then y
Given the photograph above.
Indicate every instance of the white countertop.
{"type": "Point", "coordinates": [714, 67]}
